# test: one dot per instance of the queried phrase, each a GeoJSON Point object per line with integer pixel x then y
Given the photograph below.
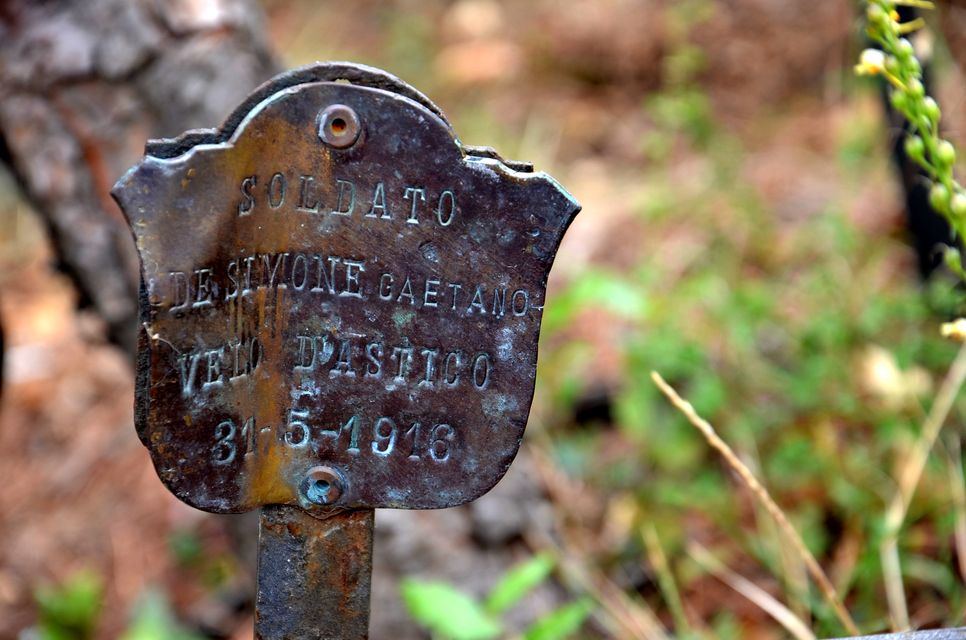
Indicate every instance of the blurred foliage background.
{"type": "Point", "coordinates": [742, 234]}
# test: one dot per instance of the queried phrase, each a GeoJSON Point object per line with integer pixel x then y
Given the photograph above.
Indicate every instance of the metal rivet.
{"type": "Point", "coordinates": [322, 486]}
{"type": "Point", "coordinates": [339, 126]}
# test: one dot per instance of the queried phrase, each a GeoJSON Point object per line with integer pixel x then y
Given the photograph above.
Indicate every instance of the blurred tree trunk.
{"type": "Point", "coordinates": [953, 21]}
{"type": "Point", "coordinates": [83, 84]}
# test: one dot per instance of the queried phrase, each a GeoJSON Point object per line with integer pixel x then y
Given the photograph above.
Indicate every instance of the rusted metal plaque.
{"type": "Point", "coordinates": [340, 302]}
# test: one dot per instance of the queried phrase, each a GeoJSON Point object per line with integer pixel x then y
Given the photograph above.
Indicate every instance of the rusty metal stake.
{"type": "Point", "coordinates": [314, 575]}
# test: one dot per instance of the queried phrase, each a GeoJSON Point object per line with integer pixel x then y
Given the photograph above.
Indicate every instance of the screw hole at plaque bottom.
{"type": "Point", "coordinates": [322, 486]}
{"type": "Point", "coordinates": [318, 491]}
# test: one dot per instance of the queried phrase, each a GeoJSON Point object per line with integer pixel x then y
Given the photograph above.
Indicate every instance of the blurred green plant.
{"type": "Point", "coordinates": [186, 547]}
{"type": "Point", "coordinates": [802, 339]}
{"type": "Point", "coordinates": [817, 376]}
{"type": "Point", "coordinates": [153, 619]}
{"type": "Point", "coordinates": [451, 614]}
{"type": "Point", "coordinates": [896, 61]}
{"type": "Point", "coordinates": [682, 108]}
{"type": "Point", "coordinates": [71, 610]}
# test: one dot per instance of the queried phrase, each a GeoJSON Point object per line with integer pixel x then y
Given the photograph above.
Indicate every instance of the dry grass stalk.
{"type": "Point", "coordinates": [794, 575]}
{"type": "Point", "coordinates": [846, 557]}
{"type": "Point", "coordinates": [914, 463]}
{"type": "Point", "coordinates": [623, 616]}
{"type": "Point", "coordinates": [764, 600]}
{"type": "Point", "coordinates": [790, 571]}
{"type": "Point", "coordinates": [957, 484]}
{"type": "Point", "coordinates": [892, 577]}
{"type": "Point", "coordinates": [762, 495]}
{"type": "Point", "coordinates": [909, 476]}
{"type": "Point", "coordinates": [665, 578]}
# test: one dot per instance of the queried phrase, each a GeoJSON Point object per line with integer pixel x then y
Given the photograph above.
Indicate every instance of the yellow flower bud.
{"type": "Point", "coordinates": [955, 330]}
{"type": "Point", "coordinates": [871, 62]}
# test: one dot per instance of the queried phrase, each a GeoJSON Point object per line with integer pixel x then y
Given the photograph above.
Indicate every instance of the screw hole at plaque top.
{"type": "Point", "coordinates": [339, 126]}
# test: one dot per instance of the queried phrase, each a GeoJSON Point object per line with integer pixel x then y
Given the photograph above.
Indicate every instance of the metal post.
{"type": "Point", "coordinates": [314, 576]}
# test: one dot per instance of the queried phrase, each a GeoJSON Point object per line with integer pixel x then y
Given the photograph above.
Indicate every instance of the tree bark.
{"type": "Point", "coordinates": [83, 84]}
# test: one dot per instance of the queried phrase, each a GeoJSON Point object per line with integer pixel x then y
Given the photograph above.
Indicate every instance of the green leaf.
{"type": "Point", "coordinates": [154, 620]}
{"type": "Point", "coordinates": [596, 289]}
{"type": "Point", "coordinates": [518, 581]}
{"type": "Point", "coordinates": [186, 547]}
{"type": "Point", "coordinates": [70, 610]}
{"type": "Point", "coordinates": [447, 611]}
{"type": "Point", "coordinates": [562, 622]}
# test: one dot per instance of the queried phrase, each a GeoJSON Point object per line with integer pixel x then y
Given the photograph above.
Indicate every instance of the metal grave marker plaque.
{"type": "Point", "coordinates": [340, 308]}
